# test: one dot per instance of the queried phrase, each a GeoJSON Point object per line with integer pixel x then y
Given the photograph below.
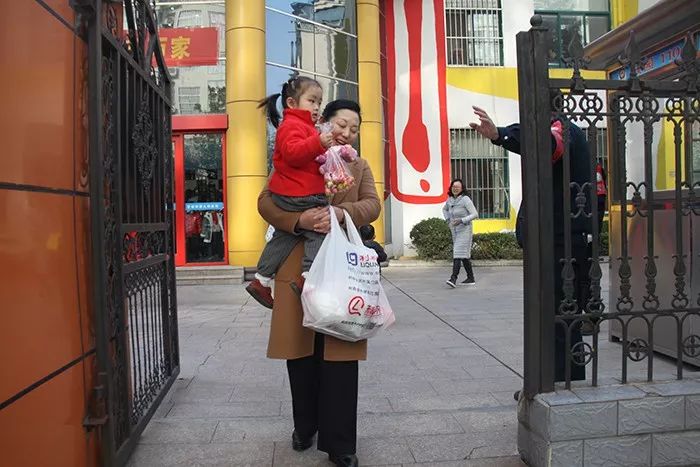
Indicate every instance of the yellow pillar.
{"type": "Point", "coordinates": [623, 10]}
{"type": "Point", "coordinates": [246, 148]}
{"type": "Point", "coordinates": [370, 84]}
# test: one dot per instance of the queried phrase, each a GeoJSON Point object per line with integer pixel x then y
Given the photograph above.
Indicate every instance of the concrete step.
{"type": "Point", "coordinates": [209, 275]}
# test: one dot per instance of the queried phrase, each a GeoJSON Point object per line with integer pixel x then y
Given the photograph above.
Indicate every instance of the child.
{"type": "Point", "coordinates": [367, 234]}
{"type": "Point", "coordinates": [296, 183]}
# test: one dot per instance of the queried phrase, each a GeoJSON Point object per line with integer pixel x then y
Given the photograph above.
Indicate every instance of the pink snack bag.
{"type": "Point", "coordinates": [335, 171]}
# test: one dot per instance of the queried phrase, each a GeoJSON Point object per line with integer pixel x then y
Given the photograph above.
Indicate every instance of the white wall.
{"type": "Point", "coordinates": [516, 18]}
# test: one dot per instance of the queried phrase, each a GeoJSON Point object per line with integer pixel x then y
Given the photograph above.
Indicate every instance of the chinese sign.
{"type": "Point", "coordinates": [656, 60]}
{"type": "Point", "coordinates": [189, 46]}
{"type": "Point", "coordinates": [204, 206]}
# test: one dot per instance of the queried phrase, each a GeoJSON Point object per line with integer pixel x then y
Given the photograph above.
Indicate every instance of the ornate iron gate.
{"type": "Point", "coordinates": [562, 259]}
{"type": "Point", "coordinates": [131, 199]}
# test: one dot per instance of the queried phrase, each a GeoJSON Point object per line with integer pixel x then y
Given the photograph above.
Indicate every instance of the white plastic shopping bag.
{"type": "Point", "coordinates": [343, 296]}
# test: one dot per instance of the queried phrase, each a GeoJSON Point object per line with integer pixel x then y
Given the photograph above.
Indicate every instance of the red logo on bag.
{"type": "Point", "coordinates": [355, 306]}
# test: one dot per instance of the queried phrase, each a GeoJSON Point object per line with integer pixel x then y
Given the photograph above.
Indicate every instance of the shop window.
{"type": "Point", "coordinates": [484, 169]}
{"type": "Point", "coordinates": [474, 32]}
{"type": "Point", "coordinates": [590, 19]}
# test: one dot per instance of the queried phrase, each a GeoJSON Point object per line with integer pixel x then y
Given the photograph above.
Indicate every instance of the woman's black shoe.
{"type": "Point", "coordinates": [345, 460]}
{"type": "Point", "coordinates": [299, 443]}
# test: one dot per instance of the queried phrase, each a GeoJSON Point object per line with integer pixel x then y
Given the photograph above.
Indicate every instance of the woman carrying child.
{"type": "Point", "coordinates": [323, 370]}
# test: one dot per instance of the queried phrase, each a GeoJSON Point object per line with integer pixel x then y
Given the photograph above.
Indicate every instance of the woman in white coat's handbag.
{"type": "Point", "coordinates": [459, 212]}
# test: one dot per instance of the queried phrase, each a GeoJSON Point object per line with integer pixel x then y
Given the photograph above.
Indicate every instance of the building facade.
{"type": "Point", "coordinates": [417, 67]}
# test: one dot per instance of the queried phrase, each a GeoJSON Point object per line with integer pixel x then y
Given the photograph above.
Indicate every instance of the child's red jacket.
{"type": "Point", "coordinates": [296, 146]}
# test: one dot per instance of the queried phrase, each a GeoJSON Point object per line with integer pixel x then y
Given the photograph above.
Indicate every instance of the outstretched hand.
{"type": "Point", "coordinates": [485, 127]}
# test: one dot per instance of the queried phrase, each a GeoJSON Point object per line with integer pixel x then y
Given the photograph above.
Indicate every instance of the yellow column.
{"type": "Point", "coordinates": [246, 148]}
{"type": "Point", "coordinates": [623, 10]}
{"type": "Point", "coordinates": [370, 83]}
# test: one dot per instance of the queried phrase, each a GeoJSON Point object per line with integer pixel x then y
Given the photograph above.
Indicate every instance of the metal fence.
{"type": "Point", "coordinates": [651, 295]}
{"type": "Point", "coordinates": [474, 32]}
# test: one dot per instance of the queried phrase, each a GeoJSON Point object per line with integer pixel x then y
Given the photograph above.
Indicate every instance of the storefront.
{"type": "Point", "coordinates": [397, 58]}
{"type": "Point", "coordinates": [199, 146]}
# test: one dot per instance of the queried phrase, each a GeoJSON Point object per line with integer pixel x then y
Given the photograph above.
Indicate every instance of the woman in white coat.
{"type": "Point", "coordinates": [459, 212]}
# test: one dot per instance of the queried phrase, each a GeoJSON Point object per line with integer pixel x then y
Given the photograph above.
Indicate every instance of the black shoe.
{"type": "Point", "coordinates": [451, 283]}
{"type": "Point", "coordinates": [345, 460]}
{"type": "Point", "coordinates": [301, 444]}
{"type": "Point", "coordinates": [469, 282]}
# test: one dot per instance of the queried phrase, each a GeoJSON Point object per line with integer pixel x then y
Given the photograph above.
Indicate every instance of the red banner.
{"type": "Point", "coordinates": [189, 46]}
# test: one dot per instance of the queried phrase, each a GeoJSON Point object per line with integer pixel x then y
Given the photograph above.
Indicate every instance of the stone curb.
{"type": "Point", "coordinates": [416, 263]}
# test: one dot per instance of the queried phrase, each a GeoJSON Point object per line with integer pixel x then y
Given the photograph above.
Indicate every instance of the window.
{"type": "Point", "coordinates": [590, 19]}
{"type": "Point", "coordinates": [189, 100]}
{"type": "Point", "coordinates": [314, 38]}
{"type": "Point", "coordinates": [218, 19]}
{"type": "Point", "coordinates": [189, 19]}
{"type": "Point", "coordinates": [474, 32]}
{"type": "Point", "coordinates": [484, 169]}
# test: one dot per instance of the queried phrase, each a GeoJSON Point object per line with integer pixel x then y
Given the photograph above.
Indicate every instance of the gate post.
{"type": "Point", "coordinates": [538, 274]}
{"type": "Point", "coordinates": [92, 12]}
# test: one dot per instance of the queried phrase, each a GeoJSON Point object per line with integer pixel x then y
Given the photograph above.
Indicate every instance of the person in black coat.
{"type": "Point", "coordinates": [367, 234]}
{"type": "Point", "coordinates": [580, 170]}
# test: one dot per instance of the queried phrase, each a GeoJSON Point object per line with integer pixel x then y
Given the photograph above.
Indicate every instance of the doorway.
{"type": "Point", "coordinates": [200, 194]}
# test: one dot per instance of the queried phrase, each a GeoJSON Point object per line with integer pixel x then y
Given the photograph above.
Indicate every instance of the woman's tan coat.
{"type": "Point", "coordinates": [288, 338]}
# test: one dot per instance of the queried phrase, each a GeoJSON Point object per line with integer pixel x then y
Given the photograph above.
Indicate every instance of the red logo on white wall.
{"type": "Point", "coordinates": [417, 111]}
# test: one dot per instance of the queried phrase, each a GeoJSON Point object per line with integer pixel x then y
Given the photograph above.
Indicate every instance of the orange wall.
{"type": "Point", "coordinates": [44, 239]}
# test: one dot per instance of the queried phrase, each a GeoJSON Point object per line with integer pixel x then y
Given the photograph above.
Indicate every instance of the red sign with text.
{"type": "Point", "coordinates": [189, 46]}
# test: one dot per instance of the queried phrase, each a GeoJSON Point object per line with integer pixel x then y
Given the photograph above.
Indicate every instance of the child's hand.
{"type": "Point", "coordinates": [326, 139]}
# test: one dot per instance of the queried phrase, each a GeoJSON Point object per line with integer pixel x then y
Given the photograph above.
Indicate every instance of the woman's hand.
{"type": "Point", "coordinates": [456, 221]}
{"type": "Point", "coordinates": [485, 127]}
{"type": "Point", "coordinates": [314, 219]}
{"type": "Point", "coordinates": [319, 219]}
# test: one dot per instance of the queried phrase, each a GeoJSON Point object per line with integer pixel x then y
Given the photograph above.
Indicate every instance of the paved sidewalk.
{"type": "Point", "coordinates": [436, 390]}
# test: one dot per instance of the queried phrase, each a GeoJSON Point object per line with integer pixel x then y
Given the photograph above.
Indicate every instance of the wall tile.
{"type": "Point", "coordinates": [47, 424]}
{"type": "Point", "coordinates": [651, 414]}
{"type": "Point", "coordinates": [37, 66]}
{"type": "Point", "coordinates": [39, 294]}
{"type": "Point", "coordinates": [63, 9]}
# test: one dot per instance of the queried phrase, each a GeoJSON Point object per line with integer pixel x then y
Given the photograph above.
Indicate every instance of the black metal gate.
{"type": "Point", "coordinates": [131, 201]}
{"type": "Point", "coordinates": [651, 285]}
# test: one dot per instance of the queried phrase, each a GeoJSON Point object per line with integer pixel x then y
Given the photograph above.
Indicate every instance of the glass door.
{"type": "Point", "coordinates": [200, 195]}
